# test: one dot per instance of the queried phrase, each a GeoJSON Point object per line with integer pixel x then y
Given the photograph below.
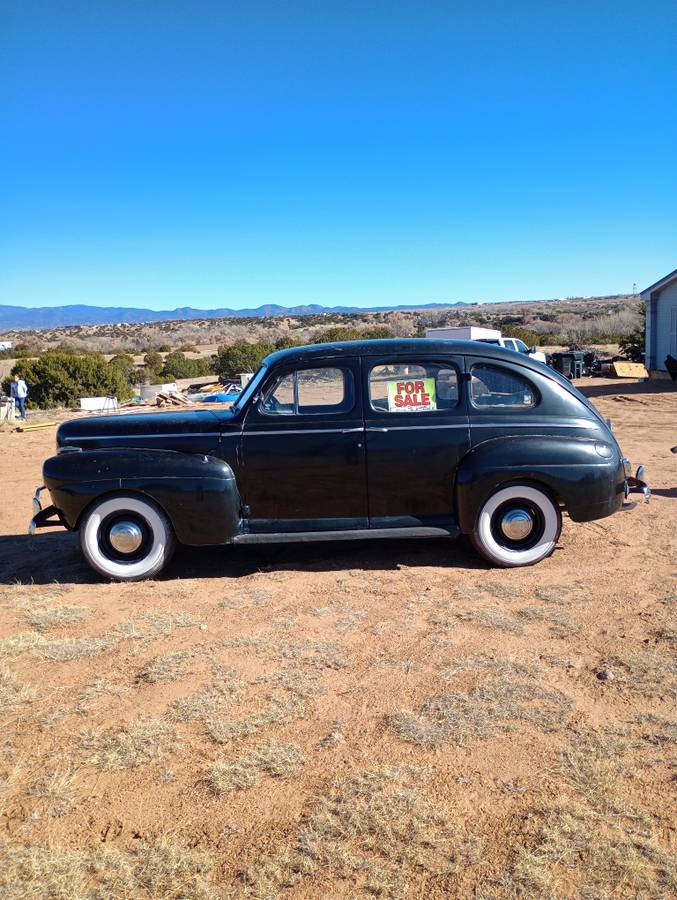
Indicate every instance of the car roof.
{"type": "Point", "coordinates": [390, 346]}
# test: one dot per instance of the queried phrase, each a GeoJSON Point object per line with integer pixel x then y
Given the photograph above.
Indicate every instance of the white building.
{"type": "Point", "coordinates": [6, 345]}
{"type": "Point", "coordinates": [661, 321]}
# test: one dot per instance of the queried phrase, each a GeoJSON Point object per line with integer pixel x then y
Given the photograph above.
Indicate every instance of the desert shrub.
{"type": "Point", "coordinates": [178, 365]}
{"type": "Point", "coordinates": [125, 365]}
{"type": "Point", "coordinates": [20, 351]}
{"type": "Point", "coordinates": [242, 356]}
{"type": "Point", "coordinates": [60, 379]}
{"type": "Point", "coordinates": [153, 361]}
{"type": "Point", "coordinates": [372, 334]}
{"type": "Point", "coordinates": [284, 343]}
{"type": "Point", "coordinates": [633, 343]}
{"type": "Point", "coordinates": [337, 333]}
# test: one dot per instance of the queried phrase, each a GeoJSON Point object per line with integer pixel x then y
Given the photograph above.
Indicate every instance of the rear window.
{"type": "Point", "coordinates": [495, 387]}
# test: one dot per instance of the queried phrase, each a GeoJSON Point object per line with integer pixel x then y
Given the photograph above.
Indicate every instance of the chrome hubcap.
{"type": "Point", "coordinates": [517, 524]}
{"type": "Point", "coordinates": [125, 537]}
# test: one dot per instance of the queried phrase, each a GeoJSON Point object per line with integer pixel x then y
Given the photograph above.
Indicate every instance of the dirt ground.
{"type": "Point", "coordinates": [362, 719]}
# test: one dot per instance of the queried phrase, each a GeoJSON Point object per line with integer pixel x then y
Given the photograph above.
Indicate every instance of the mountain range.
{"type": "Point", "coordinates": [14, 318]}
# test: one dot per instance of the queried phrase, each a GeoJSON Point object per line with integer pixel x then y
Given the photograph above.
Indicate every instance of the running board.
{"type": "Point", "coordinates": [359, 534]}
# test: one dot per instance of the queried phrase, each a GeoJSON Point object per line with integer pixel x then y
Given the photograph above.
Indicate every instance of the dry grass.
{"type": "Point", "coordinates": [668, 632]}
{"type": "Point", "coordinates": [509, 692]}
{"type": "Point", "coordinates": [657, 730]}
{"type": "Point", "coordinates": [277, 713]}
{"type": "Point", "coordinates": [646, 672]}
{"type": "Point", "coordinates": [95, 691]}
{"type": "Point", "coordinates": [317, 654]}
{"type": "Point", "coordinates": [26, 596]}
{"type": "Point", "coordinates": [490, 617]}
{"type": "Point", "coordinates": [208, 702]}
{"type": "Point", "coordinates": [12, 692]}
{"type": "Point", "coordinates": [332, 739]}
{"type": "Point", "coordinates": [559, 623]}
{"type": "Point", "coordinates": [554, 593]}
{"type": "Point", "coordinates": [247, 599]}
{"type": "Point", "coordinates": [290, 689]}
{"type": "Point", "coordinates": [132, 746]}
{"type": "Point", "coordinates": [156, 624]}
{"type": "Point", "coordinates": [57, 649]}
{"type": "Point", "coordinates": [167, 667]}
{"type": "Point", "coordinates": [278, 760]}
{"type": "Point", "coordinates": [55, 617]}
{"type": "Point", "coordinates": [375, 830]}
{"type": "Point", "coordinates": [590, 841]}
{"type": "Point", "coordinates": [153, 870]}
{"type": "Point", "coordinates": [55, 787]}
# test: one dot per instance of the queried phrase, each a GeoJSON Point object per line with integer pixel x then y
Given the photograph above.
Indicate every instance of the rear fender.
{"type": "Point", "coordinates": [198, 493]}
{"type": "Point", "coordinates": [587, 484]}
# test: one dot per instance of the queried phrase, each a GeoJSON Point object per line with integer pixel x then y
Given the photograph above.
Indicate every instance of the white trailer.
{"type": "Point", "coordinates": [486, 336]}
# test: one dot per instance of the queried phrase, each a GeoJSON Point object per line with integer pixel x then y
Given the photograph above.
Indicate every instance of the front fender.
{"type": "Point", "coordinates": [589, 485]}
{"type": "Point", "coordinates": [198, 493]}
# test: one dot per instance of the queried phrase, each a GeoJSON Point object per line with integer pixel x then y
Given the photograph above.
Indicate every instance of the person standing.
{"type": "Point", "coordinates": [19, 391]}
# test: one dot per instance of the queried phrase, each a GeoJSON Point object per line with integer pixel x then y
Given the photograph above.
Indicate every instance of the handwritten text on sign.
{"type": "Point", "coordinates": [412, 395]}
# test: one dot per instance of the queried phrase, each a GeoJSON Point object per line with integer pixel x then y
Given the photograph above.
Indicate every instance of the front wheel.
{"type": "Point", "coordinates": [519, 525]}
{"type": "Point", "coordinates": [127, 538]}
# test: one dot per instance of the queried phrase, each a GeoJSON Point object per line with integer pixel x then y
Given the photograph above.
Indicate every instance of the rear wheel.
{"type": "Point", "coordinates": [127, 538]}
{"type": "Point", "coordinates": [519, 525]}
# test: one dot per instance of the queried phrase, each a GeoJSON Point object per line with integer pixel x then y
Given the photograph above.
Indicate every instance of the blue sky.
{"type": "Point", "coordinates": [366, 153]}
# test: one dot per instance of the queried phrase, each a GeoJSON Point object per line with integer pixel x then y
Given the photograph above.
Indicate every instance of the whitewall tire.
{"type": "Point", "coordinates": [126, 538]}
{"type": "Point", "coordinates": [519, 525]}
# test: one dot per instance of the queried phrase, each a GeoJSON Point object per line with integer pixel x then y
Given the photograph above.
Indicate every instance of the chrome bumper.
{"type": "Point", "coordinates": [636, 482]}
{"type": "Point", "coordinates": [37, 508]}
{"type": "Point", "coordinates": [44, 517]}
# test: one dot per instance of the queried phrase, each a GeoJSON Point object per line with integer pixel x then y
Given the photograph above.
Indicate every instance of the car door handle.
{"type": "Point", "coordinates": [381, 430]}
{"type": "Point", "coordinates": [350, 430]}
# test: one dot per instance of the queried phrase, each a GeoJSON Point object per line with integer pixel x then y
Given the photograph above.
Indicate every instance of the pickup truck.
{"type": "Point", "coordinates": [485, 336]}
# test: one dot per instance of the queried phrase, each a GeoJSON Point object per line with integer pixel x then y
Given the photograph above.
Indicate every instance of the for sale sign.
{"type": "Point", "coordinates": [412, 395]}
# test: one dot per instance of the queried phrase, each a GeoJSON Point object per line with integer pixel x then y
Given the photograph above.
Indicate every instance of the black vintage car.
{"type": "Point", "coordinates": [389, 438]}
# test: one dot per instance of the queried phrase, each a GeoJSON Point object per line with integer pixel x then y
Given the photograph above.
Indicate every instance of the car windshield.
{"type": "Point", "coordinates": [250, 389]}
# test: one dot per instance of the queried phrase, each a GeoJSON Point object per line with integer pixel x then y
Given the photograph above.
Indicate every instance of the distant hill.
{"type": "Point", "coordinates": [13, 318]}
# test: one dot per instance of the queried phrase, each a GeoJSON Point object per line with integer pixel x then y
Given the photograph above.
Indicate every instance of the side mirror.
{"type": "Point", "coordinates": [533, 349]}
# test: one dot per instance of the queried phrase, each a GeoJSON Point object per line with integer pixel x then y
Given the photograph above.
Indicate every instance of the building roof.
{"type": "Point", "coordinates": [659, 285]}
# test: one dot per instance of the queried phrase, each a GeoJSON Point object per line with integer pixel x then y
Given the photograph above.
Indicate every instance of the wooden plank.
{"type": "Point", "coordinates": [629, 370]}
{"type": "Point", "coordinates": [35, 427]}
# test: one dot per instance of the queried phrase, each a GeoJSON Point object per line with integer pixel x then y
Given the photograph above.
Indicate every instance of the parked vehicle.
{"type": "Point", "coordinates": [388, 438]}
{"type": "Point", "coordinates": [486, 336]}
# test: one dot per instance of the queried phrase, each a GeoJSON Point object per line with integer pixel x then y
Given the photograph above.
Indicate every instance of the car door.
{"type": "Point", "coordinates": [303, 455]}
{"type": "Point", "coordinates": [416, 433]}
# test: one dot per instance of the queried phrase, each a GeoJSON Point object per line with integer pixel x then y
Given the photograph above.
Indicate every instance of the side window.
{"type": "Point", "coordinates": [521, 347]}
{"type": "Point", "coordinates": [310, 392]}
{"type": "Point", "coordinates": [413, 387]}
{"type": "Point", "coordinates": [496, 387]}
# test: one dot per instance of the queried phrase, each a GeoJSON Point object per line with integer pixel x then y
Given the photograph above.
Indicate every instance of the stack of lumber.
{"type": "Point", "coordinates": [172, 399]}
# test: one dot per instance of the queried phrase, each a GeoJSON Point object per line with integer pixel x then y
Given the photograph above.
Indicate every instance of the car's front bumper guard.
{"type": "Point", "coordinates": [44, 518]}
{"type": "Point", "coordinates": [637, 483]}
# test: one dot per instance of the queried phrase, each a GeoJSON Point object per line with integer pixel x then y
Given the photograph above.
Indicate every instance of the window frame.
{"type": "Point", "coordinates": [454, 365]}
{"type": "Point", "coordinates": [497, 408]}
{"type": "Point", "coordinates": [343, 409]}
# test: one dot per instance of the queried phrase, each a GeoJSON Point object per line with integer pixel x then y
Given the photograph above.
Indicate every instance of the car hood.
{"type": "Point", "coordinates": [162, 430]}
